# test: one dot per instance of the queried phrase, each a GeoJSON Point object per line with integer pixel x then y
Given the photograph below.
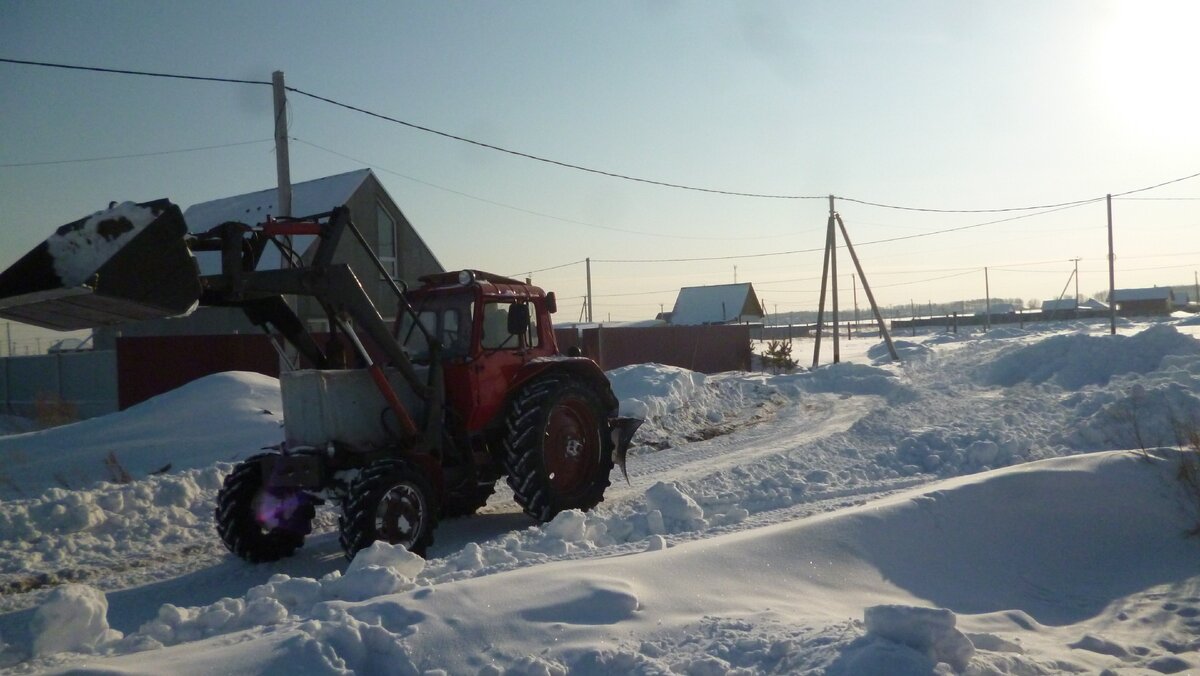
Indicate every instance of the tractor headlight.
{"type": "Point", "coordinates": [466, 277]}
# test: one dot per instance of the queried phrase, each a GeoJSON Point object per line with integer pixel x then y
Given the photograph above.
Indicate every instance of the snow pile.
{"type": "Point", "coordinates": [679, 405]}
{"type": "Point", "coordinates": [225, 416]}
{"type": "Point", "coordinates": [1075, 361]}
{"type": "Point", "coordinates": [80, 249]}
{"type": "Point", "coordinates": [74, 618]}
{"type": "Point", "coordinates": [928, 633]}
{"type": "Point", "coordinates": [770, 600]}
{"type": "Point", "coordinates": [15, 424]}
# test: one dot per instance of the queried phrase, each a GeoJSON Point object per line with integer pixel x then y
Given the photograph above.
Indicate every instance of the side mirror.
{"type": "Point", "coordinates": [518, 318]}
{"type": "Point", "coordinates": [551, 303]}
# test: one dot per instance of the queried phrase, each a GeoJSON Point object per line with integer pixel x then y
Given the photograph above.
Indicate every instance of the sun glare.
{"type": "Point", "coordinates": [1148, 58]}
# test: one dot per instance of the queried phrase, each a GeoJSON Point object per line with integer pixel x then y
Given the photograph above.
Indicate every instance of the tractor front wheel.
{"type": "Point", "coordinates": [392, 501]}
{"type": "Point", "coordinates": [261, 523]}
{"type": "Point", "coordinates": [557, 454]}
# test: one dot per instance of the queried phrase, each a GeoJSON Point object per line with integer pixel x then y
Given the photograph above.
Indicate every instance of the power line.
{"type": "Point", "coordinates": [578, 167]}
{"type": "Point", "coordinates": [118, 71]}
{"type": "Point", "coordinates": [134, 155]}
{"type": "Point", "coordinates": [522, 210]}
{"type": "Point", "coordinates": [931, 233]}
{"type": "Point", "coordinates": [538, 158]}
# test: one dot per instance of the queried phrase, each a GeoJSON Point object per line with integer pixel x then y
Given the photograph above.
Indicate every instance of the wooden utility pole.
{"type": "Point", "coordinates": [987, 292]}
{"type": "Point", "coordinates": [1112, 275]}
{"type": "Point", "coordinates": [830, 265]}
{"type": "Point", "coordinates": [854, 284]}
{"type": "Point", "coordinates": [833, 277]}
{"type": "Point", "coordinates": [589, 289]}
{"type": "Point", "coordinates": [1076, 285]}
{"type": "Point", "coordinates": [867, 289]}
{"type": "Point", "coordinates": [282, 164]}
{"type": "Point", "coordinates": [829, 243]}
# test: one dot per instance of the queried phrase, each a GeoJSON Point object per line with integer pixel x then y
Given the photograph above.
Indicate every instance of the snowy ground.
{"type": "Point", "coordinates": [998, 503]}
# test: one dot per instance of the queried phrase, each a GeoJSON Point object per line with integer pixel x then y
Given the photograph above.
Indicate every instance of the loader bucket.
{"type": "Point", "coordinates": [126, 263]}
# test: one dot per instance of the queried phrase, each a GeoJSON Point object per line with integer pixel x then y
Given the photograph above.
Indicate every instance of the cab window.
{"type": "Point", "coordinates": [495, 334]}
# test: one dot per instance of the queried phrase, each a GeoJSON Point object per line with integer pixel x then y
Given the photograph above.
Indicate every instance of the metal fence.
{"type": "Point", "coordinates": [85, 381]}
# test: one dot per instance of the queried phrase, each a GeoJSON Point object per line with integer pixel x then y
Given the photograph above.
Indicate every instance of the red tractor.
{"type": "Point", "coordinates": [400, 425]}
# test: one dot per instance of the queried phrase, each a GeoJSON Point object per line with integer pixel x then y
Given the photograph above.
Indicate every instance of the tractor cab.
{"type": "Point", "coordinates": [474, 315]}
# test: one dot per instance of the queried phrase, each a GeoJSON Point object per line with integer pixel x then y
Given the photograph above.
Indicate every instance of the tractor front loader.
{"type": "Point", "coordinates": [400, 425]}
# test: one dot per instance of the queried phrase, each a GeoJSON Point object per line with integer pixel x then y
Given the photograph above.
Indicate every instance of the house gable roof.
{"type": "Point", "coordinates": [1153, 293]}
{"type": "Point", "coordinates": [1063, 305]}
{"type": "Point", "coordinates": [309, 197]}
{"type": "Point", "coordinates": [715, 304]}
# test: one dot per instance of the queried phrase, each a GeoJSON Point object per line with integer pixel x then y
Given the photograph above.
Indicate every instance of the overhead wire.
{"type": "Point", "coordinates": [531, 212]}
{"type": "Point", "coordinates": [132, 155]}
{"type": "Point", "coordinates": [571, 165]}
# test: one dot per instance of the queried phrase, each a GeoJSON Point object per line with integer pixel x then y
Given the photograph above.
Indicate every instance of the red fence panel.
{"type": "Point", "coordinates": [148, 366]}
{"type": "Point", "coordinates": [707, 349]}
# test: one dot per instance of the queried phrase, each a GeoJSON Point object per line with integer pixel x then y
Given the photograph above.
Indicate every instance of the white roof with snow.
{"type": "Point", "coordinates": [1153, 293]}
{"type": "Point", "coordinates": [310, 197]}
{"type": "Point", "coordinates": [717, 304]}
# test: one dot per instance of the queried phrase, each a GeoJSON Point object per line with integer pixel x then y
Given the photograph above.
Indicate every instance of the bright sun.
{"type": "Point", "coordinates": [1149, 59]}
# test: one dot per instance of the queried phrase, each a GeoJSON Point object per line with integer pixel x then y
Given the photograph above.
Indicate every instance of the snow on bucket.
{"type": "Point", "coordinates": [126, 263]}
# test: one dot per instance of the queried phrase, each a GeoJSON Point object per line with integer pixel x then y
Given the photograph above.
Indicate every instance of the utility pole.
{"type": "Point", "coordinates": [589, 289]}
{"type": "Point", "coordinates": [854, 284]}
{"type": "Point", "coordinates": [833, 276]}
{"type": "Point", "coordinates": [1112, 276]}
{"type": "Point", "coordinates": [987, 292]}
{"type": "Point", "coordinates": [735, 274]}
{"type": "Point", "coordinates": [1196, 276]}
{"type": "Point", "coordinates": [1076, 284]}
{"type": "Point", "coordinates": [282, 164]}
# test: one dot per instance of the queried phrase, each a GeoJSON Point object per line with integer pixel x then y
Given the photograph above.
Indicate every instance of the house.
{"type": "Point", "coordinates": [374, 212]}
{"type": "Point", "coordinates": [718, 304]}
{"type": "Point", "coordinates": [1141, 302]}
{"type": "Point", "coordinates": [1060, 307]}
{"type": "Point", "coordinates": [1093, 304]}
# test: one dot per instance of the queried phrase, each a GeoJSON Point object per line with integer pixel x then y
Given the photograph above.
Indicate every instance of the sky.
{"type": "Point", "coordinates": [933, 105]}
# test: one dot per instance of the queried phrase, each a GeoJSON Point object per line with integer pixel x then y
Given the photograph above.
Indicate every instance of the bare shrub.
{"type": "Point", "coordinates": [51, 410]}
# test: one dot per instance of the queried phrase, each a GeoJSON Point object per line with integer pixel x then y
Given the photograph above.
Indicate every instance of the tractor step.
{"type": "Point", "coordinates": [126, 263]}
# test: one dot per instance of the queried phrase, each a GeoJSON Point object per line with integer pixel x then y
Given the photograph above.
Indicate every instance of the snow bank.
{"type": "Point", "coordinates": [220, 417]}
{"type": "Point", "coordinates": [80, 250]}
{"type": "Point", "coordinates": [1075, 361]}
{"type": "Point", "coordinates": [769, 600]}
{"type": "Point", "coordinates": [74, 618]}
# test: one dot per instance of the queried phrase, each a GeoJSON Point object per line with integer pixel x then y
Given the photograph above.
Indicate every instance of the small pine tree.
{"type": "Point", "coordinates": [779, 356]}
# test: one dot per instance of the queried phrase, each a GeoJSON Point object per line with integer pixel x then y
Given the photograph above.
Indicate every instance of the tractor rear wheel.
{"type": "Point", "coordinates": [557, 454]}
{"type": "Point", "coordinates": [259, 523]}
{"type": "Point", "coordinates": [392, 501]}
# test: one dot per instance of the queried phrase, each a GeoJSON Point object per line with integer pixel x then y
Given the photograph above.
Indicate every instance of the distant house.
{"type": "Point", "coordinates": [373, 211]}
{"type": "Point", "coordinates": [718, 304]}
{"type": "Point", "coordinates": [1093, 304]}
{"type": "Point", "coordinates": [1141, 302]}
{"type": "Point", "coordinates": [998, 309]}
{"type": "Point", "coordinates": [1060, 305]}
{"type": "Point", "coordinates": [1060, 308]}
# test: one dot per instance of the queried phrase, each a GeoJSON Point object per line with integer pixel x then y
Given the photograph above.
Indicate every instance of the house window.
{"type": "Point", "coordinates": [386, 241]}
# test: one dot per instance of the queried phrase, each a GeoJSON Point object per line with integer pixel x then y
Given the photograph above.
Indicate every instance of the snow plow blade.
{"type": "Point", "coordinates": [126, 263]}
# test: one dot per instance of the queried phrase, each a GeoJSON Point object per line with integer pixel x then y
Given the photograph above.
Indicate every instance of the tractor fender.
{"type": "Point", "coordinates": [578, 367]}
